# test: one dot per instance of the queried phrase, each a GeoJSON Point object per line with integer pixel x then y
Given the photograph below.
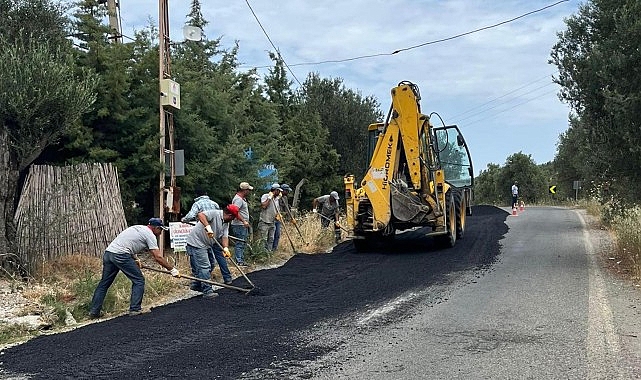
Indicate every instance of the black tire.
{"type": "Point", "coordinates": [460, 202]}
{"type": "Point", "coordinates": [449, 240]}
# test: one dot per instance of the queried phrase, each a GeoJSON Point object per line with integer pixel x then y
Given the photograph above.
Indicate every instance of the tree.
{"type": "Point", "coordinates": [304, 147]}
{"type": "Point", "coordinates": [598, 59]}
{"type": "Point", "coordinates": [486, 186]}
{"type": "Point", "coordinates": [43, 93]}
{"type": "Point", "coordinates": [520, 167]}
{"type": "Point", "coordinates": [346, 115]}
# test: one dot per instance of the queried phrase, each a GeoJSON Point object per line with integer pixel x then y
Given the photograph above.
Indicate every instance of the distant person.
{"type": "Point", "coordinates": [515, 194]}
{"type": "Point", "coordinates": [329, 211]}
{"type": "Point", "coordinates": [239, 227]}
{"type": "Point", "coordinates": [120, 255]}
{"type": "Point", "coordinates": [212, 224]}
{"type": "Point", "coordinates": [268, 213]}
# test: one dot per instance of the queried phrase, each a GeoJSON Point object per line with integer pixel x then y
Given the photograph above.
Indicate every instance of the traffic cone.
{"type": "Point", "coordinates": [514, 211]}
{"type": "Point", "coordinates": [522, 207]}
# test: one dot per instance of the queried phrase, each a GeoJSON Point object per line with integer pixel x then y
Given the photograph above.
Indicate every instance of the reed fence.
{"type": "Point", "coordinates": [74, 209]}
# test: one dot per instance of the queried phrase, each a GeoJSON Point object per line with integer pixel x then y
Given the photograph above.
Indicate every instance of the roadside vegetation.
{"type": "Point", "coordinates": [625, 226]}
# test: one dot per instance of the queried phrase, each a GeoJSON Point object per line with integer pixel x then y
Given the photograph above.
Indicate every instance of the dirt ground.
{"type": "Point", "coordinates": [234, 335]}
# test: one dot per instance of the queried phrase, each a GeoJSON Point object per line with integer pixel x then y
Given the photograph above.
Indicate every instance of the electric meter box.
{"type": "Point", "coordinates": [169, 93]}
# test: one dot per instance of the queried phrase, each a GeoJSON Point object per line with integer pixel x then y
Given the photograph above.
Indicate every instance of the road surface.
{"type": "Point", "coordinates": [519, 297]}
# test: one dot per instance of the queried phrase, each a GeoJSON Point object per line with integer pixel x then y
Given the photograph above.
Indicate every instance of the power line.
{"type": "Point", "coordinates": [272, 43]}
{"type": "Point", "coordinates": [507, 109]}
{"type": "Point", "coordinates": [422, 44]}
{"type": "Point", "coordinates": [501, 104]}
{"type": "Point", "coordinates": [502, 96]}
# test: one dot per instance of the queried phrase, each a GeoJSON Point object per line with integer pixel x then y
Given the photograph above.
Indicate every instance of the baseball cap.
{"type": "Point", "coordinates": [334, 195]}
{"type": "Point", "coordinates": [275, 186]}
{"type": "Point", "coordinates": [157, 222]}
{"type": "Point", "coordinates": [245, 186]}
{"type": "Point", "coordinates": [232, 209]}
{"type": "Point", "coordinates": [285, 187]}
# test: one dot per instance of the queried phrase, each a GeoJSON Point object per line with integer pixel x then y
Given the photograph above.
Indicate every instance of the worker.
{"type": "Point", "coordinates": [283, 207]}
{"type": "Point", "coordinates": [239, 228]}
{"type": "Point", "coordinates": [211, 231]}
{"type": "Point", "coordinates": [121, 255]}
{"type": "Point", "coordinates": [329, 211]}
{"type": "Point", "coordinates": [202, 202]}
{"type": "Point", "coordinates": [268, 213]}
{"type": "Point", "coordinates": [515, 194]}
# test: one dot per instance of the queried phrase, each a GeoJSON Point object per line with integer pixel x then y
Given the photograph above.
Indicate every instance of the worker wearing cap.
{"type": "Point", "coordinates": [202, 202]}
{"type": "Point", "coordinates": [268, 213]}
{"type": "Point", "coordinates": [211, 231]}
{"type": "Point", "coordinates": [283, 207]}
{"type": "Point", "coordinates": [329, 211]}
{"type": "Point", "coordinates": [120, 255]}
{"type": "Point", "coordinates": [239, 227]}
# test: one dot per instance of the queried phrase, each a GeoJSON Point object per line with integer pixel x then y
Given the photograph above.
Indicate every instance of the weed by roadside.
{"type": "Point", "coordinates": [625, 225]}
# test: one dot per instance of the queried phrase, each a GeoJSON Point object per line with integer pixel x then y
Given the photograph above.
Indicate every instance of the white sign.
{"type": "Point", "coordinates": [178, 232]}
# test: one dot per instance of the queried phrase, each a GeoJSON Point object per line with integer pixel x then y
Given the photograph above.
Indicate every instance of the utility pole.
{"type": "Point", "coordinates": [113, 8]}
{"type": "Point", "coordinates": [169, 99]}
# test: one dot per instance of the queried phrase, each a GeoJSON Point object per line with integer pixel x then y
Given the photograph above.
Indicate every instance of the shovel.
{"type": "Point", "coordinates": [333, 221]}
{"type": "Point", "coordinates": [232, 260]}
{"type": "Point", "coordinates": [235, 264]}
{"type": "Point", "coordinates": [246, 291]}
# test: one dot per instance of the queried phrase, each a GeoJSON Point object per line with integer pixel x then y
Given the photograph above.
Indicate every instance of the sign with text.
{"type": "Point", "coordinates": [178, 232]}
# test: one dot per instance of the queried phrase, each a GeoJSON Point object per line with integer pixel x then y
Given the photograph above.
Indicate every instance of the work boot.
{"type": "Point", "coordinates": [228, 281]}
{"type": "Point", "coordinates": [210, 295]}
{"type": "Point", "coordinates": [96, 316]}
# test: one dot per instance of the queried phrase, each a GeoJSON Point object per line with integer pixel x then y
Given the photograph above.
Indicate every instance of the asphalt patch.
{"type": "Point", "coordinates": [233, 334]}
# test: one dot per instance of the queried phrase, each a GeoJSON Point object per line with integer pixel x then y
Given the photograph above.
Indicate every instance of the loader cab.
{"type": "Point", "coordinates": [372, 137]}
{"type": "Point", "coordinates": [454, 156]}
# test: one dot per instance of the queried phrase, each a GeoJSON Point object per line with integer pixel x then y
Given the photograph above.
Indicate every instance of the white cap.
{"type": "Point", "coordinates": [334, 195]}
{"type": "Point", "coordinates": [275, 186]}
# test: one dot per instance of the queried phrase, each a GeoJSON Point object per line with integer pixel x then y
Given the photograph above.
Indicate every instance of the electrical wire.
{"type": "Point", "coordinates": [422, 44]}
{"type": "Point", "coordinates": [508, 109]}
{"type": "Point", "coordinates": [272, 43]}
{"type": "Point", "coordinates": [501, 104]}
{"type": "Point", "coordinates": [502, 96]}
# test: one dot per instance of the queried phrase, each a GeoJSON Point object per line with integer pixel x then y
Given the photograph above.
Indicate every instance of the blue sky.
{"type": "Point", "coordinates": [495, 84]}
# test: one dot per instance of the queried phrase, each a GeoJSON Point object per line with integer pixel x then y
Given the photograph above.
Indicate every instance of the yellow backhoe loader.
{"type": "Point", "coordinates": [418, 176]}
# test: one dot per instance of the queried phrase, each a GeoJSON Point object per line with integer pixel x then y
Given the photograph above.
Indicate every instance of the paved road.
{"type": "Point", "coordinates": [518, 297]}
{"type": "Point", "coordinates": [544, 311]}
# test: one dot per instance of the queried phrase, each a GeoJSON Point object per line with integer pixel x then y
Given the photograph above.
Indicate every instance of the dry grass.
{"type": "Point", "coordinates": [627, 230]}
{"type": "Point", "coordinates": [311, 239]}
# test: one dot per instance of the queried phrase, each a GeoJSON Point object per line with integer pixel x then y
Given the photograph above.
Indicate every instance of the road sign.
{"type": "Point", "coordinates": [552, 189]}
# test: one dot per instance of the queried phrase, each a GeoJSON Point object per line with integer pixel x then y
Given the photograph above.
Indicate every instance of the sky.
{"type": "Point", "coordinates": [495, 84]}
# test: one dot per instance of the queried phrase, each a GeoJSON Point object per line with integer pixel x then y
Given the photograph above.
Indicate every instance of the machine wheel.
{"type": "Point", "coordinates": [449, 240]}
{"type": "Point", "coordinates": [460, 203]}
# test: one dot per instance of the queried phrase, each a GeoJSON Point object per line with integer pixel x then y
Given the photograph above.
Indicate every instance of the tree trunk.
{"type": "Point", "coordinates": [9, 176]}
